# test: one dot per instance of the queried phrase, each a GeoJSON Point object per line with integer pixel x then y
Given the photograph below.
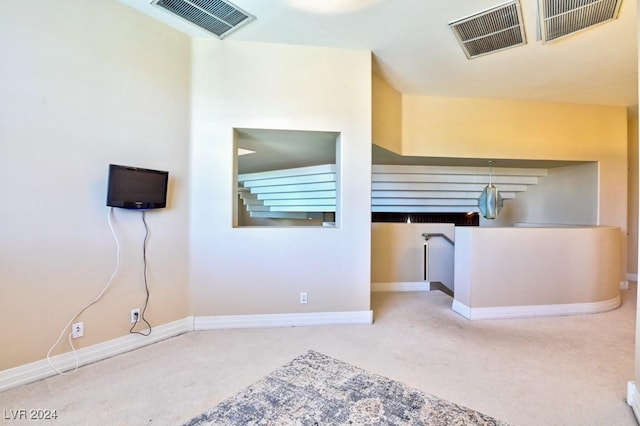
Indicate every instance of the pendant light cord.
{"type": "Point", "coordinates": [490, 172]}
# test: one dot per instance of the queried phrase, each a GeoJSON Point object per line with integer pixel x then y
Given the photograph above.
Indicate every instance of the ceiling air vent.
{"type": "Point", "coordinates": [490, 31]}
{"type": "Point", "coordinates": [214, 16]}
{"type": "Point", "coordinates": [560, 18]}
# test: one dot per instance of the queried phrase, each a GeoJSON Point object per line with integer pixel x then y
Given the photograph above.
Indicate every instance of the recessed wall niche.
{"type": "Point", "coordinates": [286, 178]}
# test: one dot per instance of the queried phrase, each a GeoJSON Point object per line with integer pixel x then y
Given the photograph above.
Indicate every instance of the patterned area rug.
{"type": "Point", "coordinates": [315, 389]}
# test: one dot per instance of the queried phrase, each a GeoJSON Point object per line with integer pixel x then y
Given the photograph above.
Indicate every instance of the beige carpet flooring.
{"type": "Point", "coordinates": [543, 371]}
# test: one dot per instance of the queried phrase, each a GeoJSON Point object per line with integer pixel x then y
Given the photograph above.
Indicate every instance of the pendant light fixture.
{"type": "Point", "coordinates": [490, 201]}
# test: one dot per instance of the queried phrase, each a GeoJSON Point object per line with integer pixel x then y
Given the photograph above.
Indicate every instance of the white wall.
{"type": "Point", "coordinates": [237, 271]}
{"type": "Point", "coordinates": [567, 195]}
{"type": "Point", "coordinates": [83, 84]}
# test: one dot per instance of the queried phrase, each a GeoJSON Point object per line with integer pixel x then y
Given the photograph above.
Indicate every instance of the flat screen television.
{"type": "Point", "coordinates": [136, 188]}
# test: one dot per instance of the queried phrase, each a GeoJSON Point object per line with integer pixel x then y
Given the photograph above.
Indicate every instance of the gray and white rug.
{"type": "Point", "coordinates": [315, 389]}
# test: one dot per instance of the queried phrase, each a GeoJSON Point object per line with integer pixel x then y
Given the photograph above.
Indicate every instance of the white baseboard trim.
{"type": "Point", "coordinates": [282, 320]}
{"type": "Point", "coordinates": [633, 399]}
{"type": "Point", "coordinates": [632, 277]}
{"type": "Point", "coordinates": [400, 286]}
{"type": "Point", "coordinates": [505, 312]}
{"type": "Point", "coordinates": [37, 370]}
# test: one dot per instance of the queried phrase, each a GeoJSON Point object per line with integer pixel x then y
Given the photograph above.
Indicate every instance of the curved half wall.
{"type": "Point", "coordinates": [536, 271]}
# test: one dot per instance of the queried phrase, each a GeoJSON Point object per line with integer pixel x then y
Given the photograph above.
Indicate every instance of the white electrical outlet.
{"type": "Point", "coordinates": [303, 297]}
{"type": "Point", "coordinates": [135, 315]}
{"type": "Point", "coordinates": [77, 330]}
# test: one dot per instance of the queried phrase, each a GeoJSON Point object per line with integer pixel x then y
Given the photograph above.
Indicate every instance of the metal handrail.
{"type": "Point", "coordinates": [434, 285]}
{"type": "Point", "coordinates": [428, 235]}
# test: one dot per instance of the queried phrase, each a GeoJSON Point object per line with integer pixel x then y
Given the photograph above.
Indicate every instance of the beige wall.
{"type": "Point", "coordinates": [95, 83]}
{"type": "Point", "coordinates": [505, 129]}
{"type": "Point", "coordinates": [386, 115]}
{"type": "Point", "coordinates": [566, 195]}
{"type": "Point", "coordinates": [262, 270]}
{"type": "Point", "coordinates": [632, 231]}
{"type": "Point", "coordinates": [397, 253]}
{"type": "Point", "coordinates": [82, 86]}
{"type": "Point", "coordinates": [495, 129]}
{"type": "Point", "coordinates": [635, 142]}
{"type": "Point", "coordinates": [490, 128]}
{"type": "Point", "coordinates": [504, 267]}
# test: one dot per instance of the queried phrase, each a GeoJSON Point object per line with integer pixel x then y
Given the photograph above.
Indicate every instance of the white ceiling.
{"type": "Point", "coordinates": [415, 50]}
{"type": "Point", "coordinates": [284, 149]}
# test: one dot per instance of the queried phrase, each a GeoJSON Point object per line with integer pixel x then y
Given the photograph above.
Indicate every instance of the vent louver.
{"type": "Point", "coordinates": [214, 16]}
{"type": "Point", "coordinates": [560, 18]}
{"type": "Point", "coordinates": [490, 31]}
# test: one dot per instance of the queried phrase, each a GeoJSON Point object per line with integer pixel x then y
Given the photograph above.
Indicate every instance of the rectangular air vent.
{"type": "Point", "coordinates": [560, 18]}
{"type": "Point", "coordinates": [217, 17]}
{"type": "Point", "coordinates": [490, 31]}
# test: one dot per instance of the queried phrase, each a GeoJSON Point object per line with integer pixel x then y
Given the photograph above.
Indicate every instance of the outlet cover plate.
{"type": "Point", "coordinates": [77, 330]}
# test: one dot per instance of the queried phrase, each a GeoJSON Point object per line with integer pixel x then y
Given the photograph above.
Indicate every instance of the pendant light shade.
{"type": "Point", "coordinates": [490, 201]}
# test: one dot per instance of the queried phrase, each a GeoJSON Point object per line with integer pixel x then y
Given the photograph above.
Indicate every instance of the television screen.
{"type": "Point", "coordinates": [136, 188]}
